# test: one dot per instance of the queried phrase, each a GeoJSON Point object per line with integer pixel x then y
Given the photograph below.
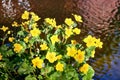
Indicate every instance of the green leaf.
{"type": "Point", "coordinates": [40, 77]}
{"type": "Point", "coordinates": [89, 74]}
{"type": "Point", "coordinates": [29, 77]}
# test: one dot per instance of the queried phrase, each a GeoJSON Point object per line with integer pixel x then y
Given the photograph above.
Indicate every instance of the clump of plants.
{"type": "Point", "coordinates": [47, 51]}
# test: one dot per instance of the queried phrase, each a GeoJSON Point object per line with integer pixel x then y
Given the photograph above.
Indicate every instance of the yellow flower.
{"type": "Point", "coordinates": [26, 39]}
{"type": "Point", "coordinates": [68, 32]}
{"type": "Point", "coordinates": [51, 57]}
{"type": "Point", "coordinates": [25, 15]}
{"type": "Point", "coordinates": [34, 25]}
{"type": "Point", "coordinates": [8, 32]}
{"type": "Point", "coordinates": [59, 57]}
{"type": "Point", "coordinates": [84, 68]}
{"type": "Point", "coordinates": [17, 47]}
{"type": "Point", "coordinates": [11, 39]}
{"type": "Point", "coordinates": [59, 26]}
{"type": "Point", "coordinates": [98, 43]}
{"type": "Point", "coordinates": [93, 53]}
{"type": "Point", "coordinates": [52, 22]}
{"type": "Point", "coordinates": [76, 31]}
{"type": "Point", "coordinates": [4, 28]}
{"type": "Point", "coordinates": [44, 46]}
{"type": "Point", "coordinates": [15, 24]}
{"type": "Point", "coordinates": [77, 18]}
{"type": "Point", "coordinates": [71, 51]}
{"type": "Point", "coordinates": [69, 21]}
{"type": "Point", "coordinates": [54, 39]}
{"type": "Point", "coordinates": [90, 41]}
{"type": "Point", "coordinates": [35, 32]}
{"type": "Point", "coordinates": [0, 57]}
{"type": "Point", "coordinates": [80, 56]}
{"type": "Point", "coordinates": [34, 16]}
{"type": "Point", "coordinates": [37, 62]}
{"type": "Point", "coordinates": [59, 66]}
{"type": "Point", "coordinates": [74, 42]}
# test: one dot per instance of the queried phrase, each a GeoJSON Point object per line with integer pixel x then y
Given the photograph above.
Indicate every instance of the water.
{"type": "Point", "coordinates": [107, 61]}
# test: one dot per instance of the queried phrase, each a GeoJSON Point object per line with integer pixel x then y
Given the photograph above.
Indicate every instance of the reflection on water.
{"type": "Point", "coordinates": [107, 61]}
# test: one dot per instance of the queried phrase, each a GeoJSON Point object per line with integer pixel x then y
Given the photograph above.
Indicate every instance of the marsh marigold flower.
{"type": "Point", "coordinates": [98, 43]}
{"type": "Point", "coordinates": [59, 57]}
{"type": "Point", "coordinates": [73, 42]}
{"type": "Point", "coordinates": [4, 28]}
{"type": "Point", "coordinates": [11, 39]}
{"type": "Point", "coordinates": [52, 22]}
{"type": "Point", "coordinates": [77, 18]}
{"type": "Point", "coordinates": [54, 39]}
{"type": "Point", "coordinates": [80, 56]}
{"type": "Point", "coordinates": [25, 15]}
{"type": "Point", "coordinates": [84, 68]}
{"type": "Point", "coordinates": [59, 66]}
{"type": "Point", "coordinates": [34, 16]}
{"type": "Point", "coordinates": [17, 47]}
{"type": "Point", "coordinates": [76, 31]}
{"type": "Point", "coordinates": [51, 57]}
{"type": "Point", "coordinates": [68, 32]}
{"type": "Point", "coordinates": [90, 41]}
{"type": "Point", "coordinates": [15, 24]}
{"type": "Point", "coordinates": [44, 46]}
{"type": "Point", "coordinates": [37, 62]}
{"type": "Point", "coordinates": [69, 21]}
{"type": "Point", "coordinates": [26, 39]}
{"type": "Point", "coordinates": [35, 32]}
{"type": "Point", "coordinates": [71, 51]}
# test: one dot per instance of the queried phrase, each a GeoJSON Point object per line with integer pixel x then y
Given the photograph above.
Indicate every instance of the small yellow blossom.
{"type": "Point", "coordinates": [84, 68]}
{"type": "Point", "coordinates": [71, 51]}
{"type": "Point", "coordinates": [25, 15]}
{"type": "Point", "coordinates": [34, 16]}
{"type": "Point", "coordinates": [98, 43]}
{"type": "Point", "coordinates": [51, 57]}
{"type": "Point", "coordinates": [90, 41]}
{"type": "Point", "coordinates": [52, 22]}
{"type": "Point", "coordinates": [44, 46]}
{"type": "Point", "coordinates": [54, 39]}
{"type": "Point", "coordinates": [4, 28]}
{"type": "Point", "coordinates": [68, 32]}
{"type": "Point", "coordinates": [80, 56]}
{"type": "Point", "coordinates": [35, 32]}
{"type": "Point", "coordinates": [17, 47]}
{"type": "Point", "coordinates": [59, 26]}
{"type": "Point", "coordinates": [26, 39]}
{"type": "Point", "coordinates": [76, 31]}
{"type": "Point", "coordinates": [8, 32]}
{"type": "Point", "coordinates": [34, 25]}
{"type": "Point", "coordinates": [15, 24]}
{"type": "Point", "coordinates": [0, 57]}
{"type": "Point", "coordinates": [93, 53]}
{"type": "Point", "coordinates": [59, 67]}
{"type": "Point", "coordinates": [73, 42]}
{"type": "Point", "coordinates": [37, 62]}
{"type": "Point", "coordinates": [77, 18]}
{"type": "Point", "coordinates": [69, 21]}
{"type": "Point", "coordinates": [59, 57]}
{"type": "Point", "coordinates": [11, 39]}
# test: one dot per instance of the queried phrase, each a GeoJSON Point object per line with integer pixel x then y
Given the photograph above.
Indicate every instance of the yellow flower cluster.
{"type": "Point", "coordinates": [92, 41]}
{"type": "Point", "coordinates": [84, 68]}
{"type": "Point", "coordinates": [25, 15]}
{"type": "Point", "coordinates": [70, 31]}
{"type": "Point", "coordinates": [52, 22]}
{"type": "Point", "coordinates": [69, 21]}
{"type": "Point", "coordinates": [51, 57]}
{"type": "Point", "coordinates": [17, 47]}
{"type": "Point", "coordinates": [59, 67]}
{"type": "Point", "coordinates": [35, 17]}
{"type": "Point", "coordinates": [77, 18]}
{"type": "Point", "coordinates": [26, 39]}
{"type": "Point", "coordinates": [37, 62]}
